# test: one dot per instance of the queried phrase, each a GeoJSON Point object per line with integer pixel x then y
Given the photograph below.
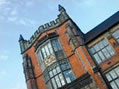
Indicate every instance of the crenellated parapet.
{"type": "Point", "coordinates": [61, 18]}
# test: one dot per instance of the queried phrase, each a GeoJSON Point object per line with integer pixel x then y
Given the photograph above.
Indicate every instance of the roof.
{"type": "Point", "coordinates": [101, 28]}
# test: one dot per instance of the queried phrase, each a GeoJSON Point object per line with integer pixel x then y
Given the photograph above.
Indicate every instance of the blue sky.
{"type": "Point", "coordinates": [25, 16]}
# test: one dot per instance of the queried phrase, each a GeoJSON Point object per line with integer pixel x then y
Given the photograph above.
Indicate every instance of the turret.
{"type": "Point", "coordinates": [22, 43]}
{"type": "Point", "coordinates": [61, 9]}
{"type": "Point", "coordinates": [63, 16]}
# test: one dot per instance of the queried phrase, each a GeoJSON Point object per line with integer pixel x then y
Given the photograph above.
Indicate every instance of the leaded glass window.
{"type": "Point", "coordinates": [58, 76]}
{"type": "Point", "coordinates": [57, 73]}
{"type": "Point", "coordinates": [49, 49]}
{"type": "Point", "coordinates": [101, 51]}
{"type": "Point", "coordinates": [113, 78]}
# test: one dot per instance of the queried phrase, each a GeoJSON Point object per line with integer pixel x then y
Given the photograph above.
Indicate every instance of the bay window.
{"type": "Point", "coordinates": [55, 67]}
{"type": "Point", "coordinates": [59, 74]}
{"type": "Point", "coordinates": [51, 48]}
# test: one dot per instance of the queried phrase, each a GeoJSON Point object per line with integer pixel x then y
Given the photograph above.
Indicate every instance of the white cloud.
{"type": "Point", "coordinates": [3, 57]}
{"type": "Point", "coordinates": [14, 12]}
{"type": "Point", "coordinates": [27, 22]}
{"type": "Point", "coordinates": [22, 21]}
{"type": "Point", "coordinates": [29, 3]}
{"type": "Point", "coordinates": [12, 19]}
{"type": "Point", "coordinates": [3, 2]}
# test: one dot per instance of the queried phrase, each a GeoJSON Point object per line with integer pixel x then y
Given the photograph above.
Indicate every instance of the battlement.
{"type": "Point", "coordinates": [61, 18]}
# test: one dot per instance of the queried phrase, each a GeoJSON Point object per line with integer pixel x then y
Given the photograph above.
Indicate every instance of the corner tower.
{"type": "Point", "coordinates": [55, 52]}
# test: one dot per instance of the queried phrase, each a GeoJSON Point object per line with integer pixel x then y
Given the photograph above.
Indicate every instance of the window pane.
{"type": "Point", "coordinates": [117, 82]}
{"type": "Point", "coordinates": [43, 51]}
{"type": "Point", "coordinates": [50, 48]}
{"type": "Point", "coordinates": [116, 34]}
{"type": "Point", "coordinates": [97, 59]}
{"type": "Point", "coordinates": [67, 65]}
{"type": "Point", "coordinates": [96, 47]}
{"type": "Point", "coordinates": [71, 75]}
{"type": "Point", "coordinates": [101, 56]}
{"type": "Point", "coordinates": [108, 77]}
{"type": "Point", "coordinates": [101, 45]}
{"type": "Point", "coordinates": [47, 51]}
{"type": "Point", "coordinates": [54, 45]}
{"type": "Point", "coordinates": [67, 77]}
{"type": "Point", "coordinates": [58, 69]}
{"type": "Point", "coordinates": [54, 71]}
{"type": "Point", "coordinates": [117, 70]}
{"type": "Point", "coordinates": [58, 45]}
{"type": "Point", "coordinates": [105, 42]}
{"type": "Point", "coordinates": [61, 79]}
{"type": "Point", "coordinates": [103, 51]}
{"type": "Point", "coordinates": [113, 78]}
{"type": "Point", "coordinates": [92, 50]}
{"type": "Point", "coordinates": [54, 83]}
{"type": "Point", "coordinates": [40, 57]}
{"type": "Point", "coordinates": [113, 74]}
{"type": "Point", "coordinates": [58, 81]}
{"type": "Point", "coordinates": [63, 67]}
{"type": "Point", "coordinates": [51, 74]}
{"type": "Point", "coordinates": [113, 85]}
{"type": "Point", "coordinates": [106, 53]}
{"type": "Point", "coordinates": [110, 50]}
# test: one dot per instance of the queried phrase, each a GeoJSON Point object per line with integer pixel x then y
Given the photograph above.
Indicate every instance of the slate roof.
{"type": "Point", "coordinates": [101, 28]}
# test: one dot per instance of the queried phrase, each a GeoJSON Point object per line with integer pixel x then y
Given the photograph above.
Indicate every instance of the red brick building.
{"type": "Point", "coordinates": [60, 56]}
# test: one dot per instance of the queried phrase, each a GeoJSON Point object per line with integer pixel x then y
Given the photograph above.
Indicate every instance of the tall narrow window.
{"type": "Point", "coordinates": [47, 50]}
{"type": "Point", "coordinates": [56, 45]}
{"type": "Point", "coordinates": [101, 51]}
{"type": "Point", "coordinates": [44, 52]}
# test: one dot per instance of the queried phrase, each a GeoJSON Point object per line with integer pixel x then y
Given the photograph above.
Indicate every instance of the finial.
{"type": "Point", "coordinates": [21, 38]}
{"type": "Point", "coordinates": [61, 8]}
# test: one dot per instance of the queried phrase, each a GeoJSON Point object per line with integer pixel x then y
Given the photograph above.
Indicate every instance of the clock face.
{"type": "Point", "coordinates": [49, 60]}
